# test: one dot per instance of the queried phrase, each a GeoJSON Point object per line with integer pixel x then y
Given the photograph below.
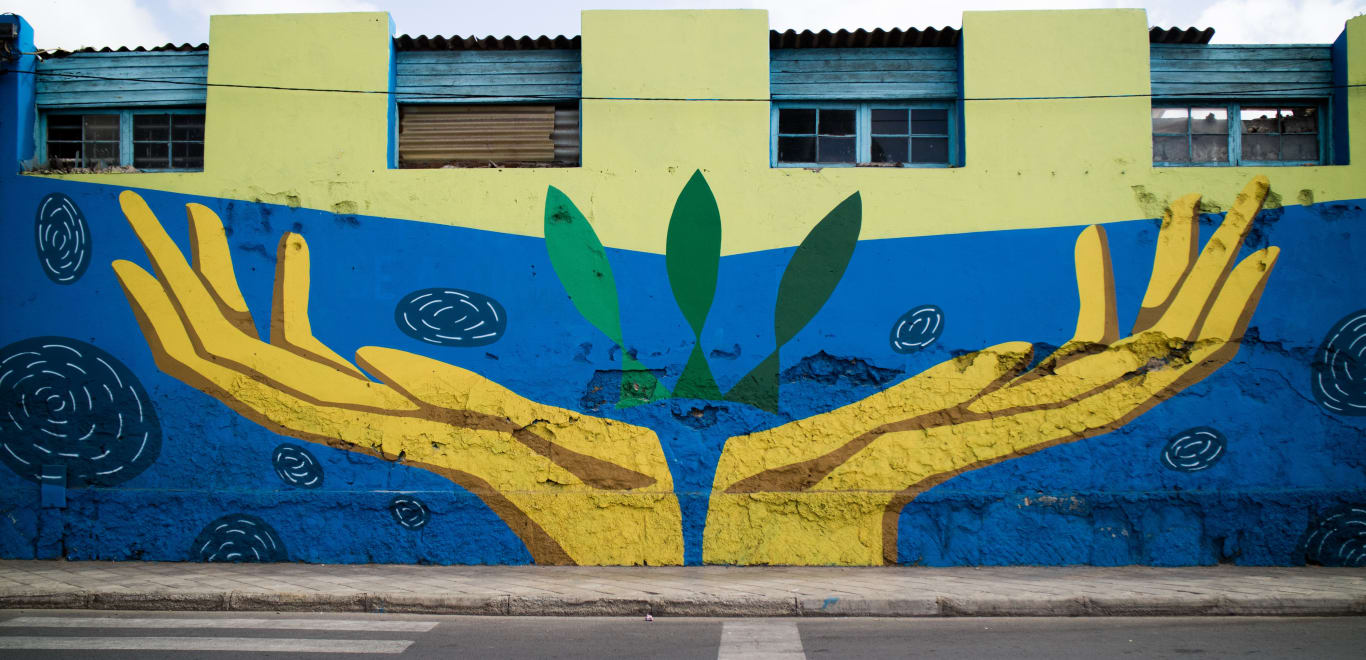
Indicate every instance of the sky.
{"type": "Point", "coordinates": [72, 24]}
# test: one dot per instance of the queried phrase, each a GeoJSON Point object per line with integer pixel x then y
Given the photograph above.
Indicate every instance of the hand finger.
{"type": "Point", "coordinates": [1097, 320]}
{"type": "Point", "coordinates": [215, 338]}
{"type": "Point", "coordinates": [489, 455]}
{"type": "Point", "coordinates": [290, 327]}
{"type": "Point", "coordinates": [794, 455]}
{"type": "Point", "coordinates": [1177, 243]}
{"type": "Point", "coordinates": [1238, 298]}
{"type": "Point", "coordinates": [601, 452]}
{"type": "Point", "coordinates": [1197, 293]}
{"type": "Point", "coordinates": [212, 261]}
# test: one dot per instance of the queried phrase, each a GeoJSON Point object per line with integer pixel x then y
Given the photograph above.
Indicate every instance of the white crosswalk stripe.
{"type": "Point", "coordinates": [241, 624]}
{"type": "Point", "coordinates": [760, 640]}
{"type": "Point", "coordinates": [237, 625]}
{"type": "Point", "coordinates": [239, 644]}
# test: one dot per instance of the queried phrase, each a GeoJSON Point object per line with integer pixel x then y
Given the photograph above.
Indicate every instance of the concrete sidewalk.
{"type": "Point", "coordinates": [685, 591]}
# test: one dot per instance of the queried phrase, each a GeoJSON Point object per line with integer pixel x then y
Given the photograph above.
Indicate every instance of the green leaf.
{"type": "Point", "coordinates": [697, 381]}
{"type": "Point", "coordinates": [692, 256]}
{"type": "Point", "coordinates": [816, 268]}
{"type": "Point", "coordinates": [693, 250]}
{"type": "Point", "coordinates": [581, 263]}
{"type": "Point", "coordinates": [759, 387]}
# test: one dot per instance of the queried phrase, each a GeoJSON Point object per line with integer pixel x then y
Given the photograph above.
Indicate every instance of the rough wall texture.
{"type": "Point", "coordinates": [308, 381]}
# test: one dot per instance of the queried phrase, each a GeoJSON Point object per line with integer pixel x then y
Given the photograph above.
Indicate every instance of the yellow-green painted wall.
{"type": "Point", "coordinates": [328, 150]}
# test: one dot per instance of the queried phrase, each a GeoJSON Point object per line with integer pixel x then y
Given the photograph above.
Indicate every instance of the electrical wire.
{"type": "Point", "coordinates": [438, 96]}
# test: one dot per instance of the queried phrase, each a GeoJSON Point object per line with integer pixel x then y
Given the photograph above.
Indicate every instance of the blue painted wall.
{"type": "Point", "coordinates": [1106, 500]}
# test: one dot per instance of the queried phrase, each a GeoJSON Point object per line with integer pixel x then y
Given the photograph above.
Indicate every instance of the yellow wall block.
{"type": "Point", "coordinates": [1030, 163]}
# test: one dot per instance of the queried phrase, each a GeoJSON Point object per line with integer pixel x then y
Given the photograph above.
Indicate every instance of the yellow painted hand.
{"type": "Point", "coordinates": [574, 488]}
{"type": "Point", "coordinates": [829, 489]}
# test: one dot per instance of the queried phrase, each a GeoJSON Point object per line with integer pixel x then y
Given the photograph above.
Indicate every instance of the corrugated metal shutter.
{"type": "Point", "coordinates": [435, 135]}
{"type": "Point", "coordinates": [1230, 71]}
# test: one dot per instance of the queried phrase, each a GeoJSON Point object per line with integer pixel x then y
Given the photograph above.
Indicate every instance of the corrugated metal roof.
{"type": "Point", "coordinates": [879, 38]}
{"type": "Point", "coordinates": [423, 42]}
{"type": "Point", "coordinates": [1175, 35]}
{"type": "Point", "coordinates": [182, 48]}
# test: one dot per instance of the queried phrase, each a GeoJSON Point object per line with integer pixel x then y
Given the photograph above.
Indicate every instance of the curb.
{"type": "Point", "coordinates": [504, 605]}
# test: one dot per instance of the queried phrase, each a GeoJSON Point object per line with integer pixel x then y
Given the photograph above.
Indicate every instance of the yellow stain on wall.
{"type": "Point", "coordinates": [1028, 163]}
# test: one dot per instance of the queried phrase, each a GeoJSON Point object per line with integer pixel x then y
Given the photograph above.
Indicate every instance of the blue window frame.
{"type": "Point", "coordinates": [1255, 132]}
{"type": "Point", "coordinates": [880, 134]}
{"type": "Point", "coordinates": [150, 139]}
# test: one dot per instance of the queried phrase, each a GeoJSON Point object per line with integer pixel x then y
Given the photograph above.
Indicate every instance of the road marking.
{"type": "Point", "coordinates": [760, 640]}
{"type": "Point", "coordinates": [240, 624]}
{"type": "Point", "coordinates": [240, 644]}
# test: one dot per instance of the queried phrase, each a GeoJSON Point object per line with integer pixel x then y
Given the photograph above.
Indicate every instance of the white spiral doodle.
{"type": "Point", "coordinates": [1339, 367]}
{"type": "Point", "coordinates": [296, 466]}
{"type": "Point", "coordinates": [451, 317]}
{"type": "Point", "coordinates": [409, 512]}
{"type": "Point", "coordinates": [1194, 449]}
{"type": "Point", "coordinates": [63, 239]}
{"type": "Point", "coordinates": [239, 537]}
{"type": "Point", "coordinates": [1338, 538]}
{"type": "Point", "coordinates": [65, 402]}
{"type": "Point", "coordinates": [917, 329]}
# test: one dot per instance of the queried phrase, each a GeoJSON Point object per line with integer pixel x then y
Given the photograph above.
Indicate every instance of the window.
{"type": "Point", "coordinates": [1250, 133]}
{"type": "Point", "coordinates": [449, 135]}
{"type": "Point", "coordinates": [864, 134]}
{"type": "Point", "coordinates": [146, 140]}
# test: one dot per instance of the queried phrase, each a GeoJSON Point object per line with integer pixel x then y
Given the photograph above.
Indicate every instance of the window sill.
{"type": "Point", "coordinates": [872, 166]}
{"type": "Point", "coordinates": [488, 165]}
{"type": "Point", "coordinates": [1247, 164]}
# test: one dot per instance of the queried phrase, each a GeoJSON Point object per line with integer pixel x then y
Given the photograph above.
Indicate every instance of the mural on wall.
{"type": "Point", "coordinates": [824, 489]}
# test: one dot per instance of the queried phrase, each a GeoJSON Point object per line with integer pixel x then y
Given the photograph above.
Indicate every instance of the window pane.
{"type": "Point", "coordinates": [188, 155]}
{"type": "Point", "coordinates": [837, 122]}
{"type": "Point", "coordinates": [1170, 120]}
{"type": "Point", "coordinates": [1170, 149]}
{"type": "Point", "coordinates": [930, 150]}
{"type": "Point", "coordinates": [890, 150]}
{"type": "Point", "coordinates": [1300, 147]}
{"type": "Point", "coordinates": [930, 122]}
{"type": "Point", "coordinates": [1210, 121]}
{"type": "Point", "coordinates": [1299, 120]}
{"type": "Point", "coordinates": [1261, 147]}
{"type": "Point", "coordinates": [796, 150]}
{"type": "Point", "coordinates": [64, 154]}
{"type": "Point", "coordinates": [151, 127]}
{"type": "Point", "coordinates": [101, 127]}
{"type": "Point", "coordinates": [889, 122]}
{"type": "Point", "coordinates": [150, 154]}
{"type": "Point", "coordinates": [795, 120]}
{"type": "Point", "coordinates": [1259, 120]}
{"type": "Point", "coordinates": [187, 127]}
{"type": "Point", "coordinates": [101, 154]}
{"type": "Point", "coordinates": [1209, 148]}
{"type": "Point", "coordinates": [835, 150]}
{"type": "Point", "coordinates": [64, 127]}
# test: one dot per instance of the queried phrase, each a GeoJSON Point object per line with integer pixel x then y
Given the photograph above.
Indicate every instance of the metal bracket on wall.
{"type": "Point", "coordinates": [53, 489]}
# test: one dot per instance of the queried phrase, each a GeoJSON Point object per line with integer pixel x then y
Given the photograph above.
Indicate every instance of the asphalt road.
{"type": "Point", "coordinates": [85, 634]}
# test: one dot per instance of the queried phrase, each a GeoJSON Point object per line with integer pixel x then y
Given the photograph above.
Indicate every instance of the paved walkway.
{"type": "Point", "coordinates": [684, 591]}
